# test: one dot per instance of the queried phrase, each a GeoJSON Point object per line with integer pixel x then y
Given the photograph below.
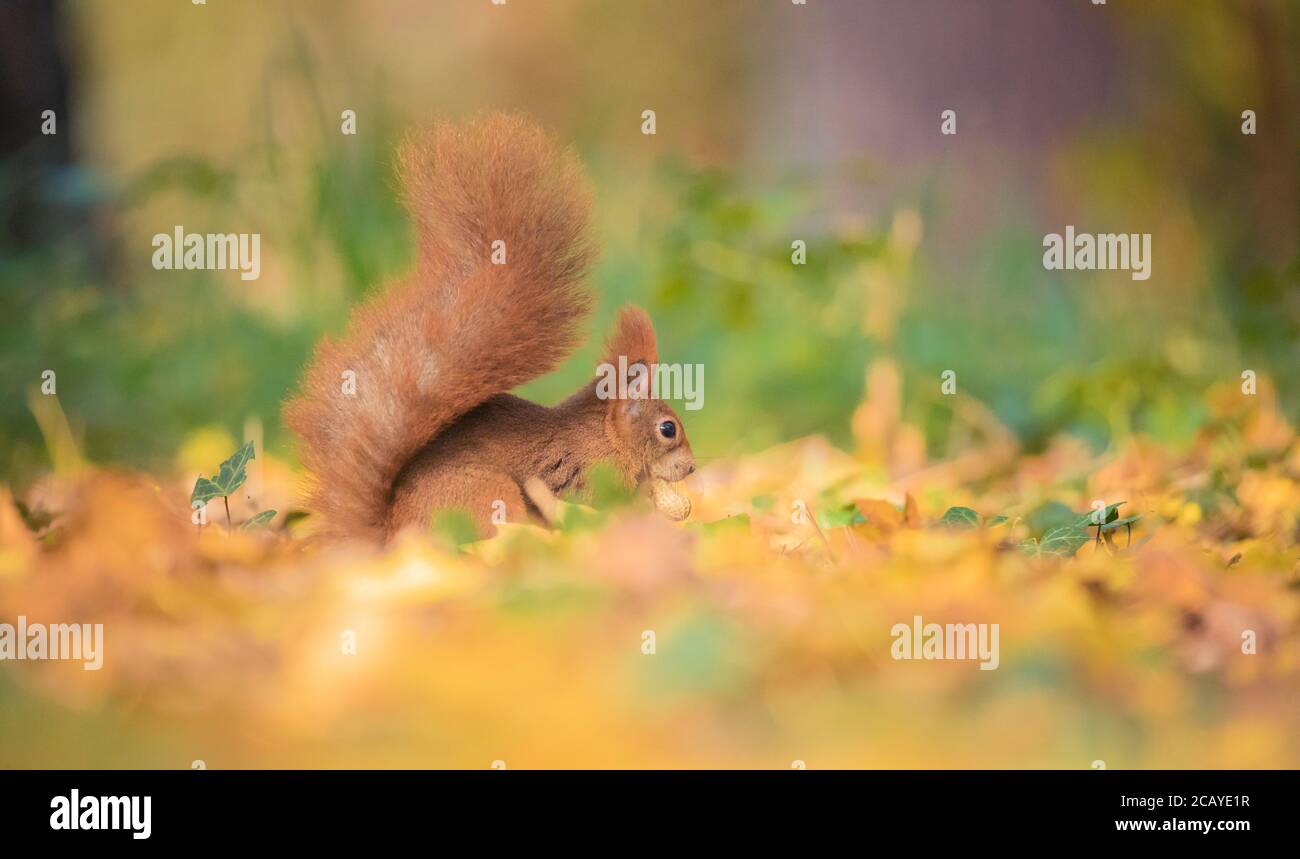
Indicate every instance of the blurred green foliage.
{"type": "Point", "coordinates": [144, 358]}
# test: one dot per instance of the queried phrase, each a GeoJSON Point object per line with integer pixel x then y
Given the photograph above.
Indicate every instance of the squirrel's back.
{"type": "Point", "coordinates": [496, 299]}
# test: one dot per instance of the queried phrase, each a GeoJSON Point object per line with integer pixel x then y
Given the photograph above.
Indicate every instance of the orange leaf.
{"type": "Point", "coordinates": [880, 513]}
{"type": "Point", "coordinates": [911, 512]}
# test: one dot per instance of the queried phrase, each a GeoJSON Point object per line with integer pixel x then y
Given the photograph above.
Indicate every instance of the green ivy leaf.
{"type": "Point", "coordinates": [204, 491]}
{"type": "Point", "coordinates": [960, 517]}
{"type": "Point", "coordinates": [1119, 523]}
{"type": "Point", "coordinates": [229, 477]}
{"type": "Point", "coordinates": [1062, 541]}
{"type": "Point", "coordinates": [1049, 515]}
{"type": "Point", "coordinates": [1092, 516]}
{"type": "Point", "coordinates": [259, 521]}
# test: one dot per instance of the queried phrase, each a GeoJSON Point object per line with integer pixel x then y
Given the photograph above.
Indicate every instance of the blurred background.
{"type": "Point", "coordinates": [775, 122]}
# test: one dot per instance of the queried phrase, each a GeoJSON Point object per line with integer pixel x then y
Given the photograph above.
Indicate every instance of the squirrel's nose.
{"type": "Point", "coordinates": [691, 469]}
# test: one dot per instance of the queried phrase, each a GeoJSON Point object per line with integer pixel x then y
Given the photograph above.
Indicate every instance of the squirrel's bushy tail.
{"type": "Point", "coordinates": [495, 300]}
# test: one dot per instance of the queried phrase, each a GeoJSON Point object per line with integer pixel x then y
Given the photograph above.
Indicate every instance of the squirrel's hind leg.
{"type": "Point", "coordinates": [489, 497]}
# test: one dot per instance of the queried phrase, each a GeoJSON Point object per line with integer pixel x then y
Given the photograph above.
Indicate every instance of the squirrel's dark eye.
{"type": "Point", "coordinates": [668, 429]}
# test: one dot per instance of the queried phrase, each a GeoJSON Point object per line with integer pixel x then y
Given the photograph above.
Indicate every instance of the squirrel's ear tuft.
{"type": "Point", "coordinates": [633, 337]}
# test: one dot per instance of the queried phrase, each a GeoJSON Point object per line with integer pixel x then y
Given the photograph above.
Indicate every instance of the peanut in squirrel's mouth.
{"type": "Point", "coordinates": [669, 501]}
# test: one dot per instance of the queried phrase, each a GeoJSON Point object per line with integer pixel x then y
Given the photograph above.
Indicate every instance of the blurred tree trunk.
{"type": "Point", "coordinates": [33, 79]}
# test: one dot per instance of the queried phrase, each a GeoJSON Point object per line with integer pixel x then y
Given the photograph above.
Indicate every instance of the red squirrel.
{"type": "Point", "coordinates": [408, 413]}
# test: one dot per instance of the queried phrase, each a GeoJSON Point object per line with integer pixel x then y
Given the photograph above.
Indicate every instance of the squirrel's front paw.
{"type": "Point", "coordinates": [669, 501]}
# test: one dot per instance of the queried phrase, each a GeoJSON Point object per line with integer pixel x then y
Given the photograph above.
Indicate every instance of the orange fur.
{"type": "Point", "coordinates": [634, 336]}
{"type": "Point", "coordinates": [430, 425]}
{"type": "Point", "coordinates": [434, 346]}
